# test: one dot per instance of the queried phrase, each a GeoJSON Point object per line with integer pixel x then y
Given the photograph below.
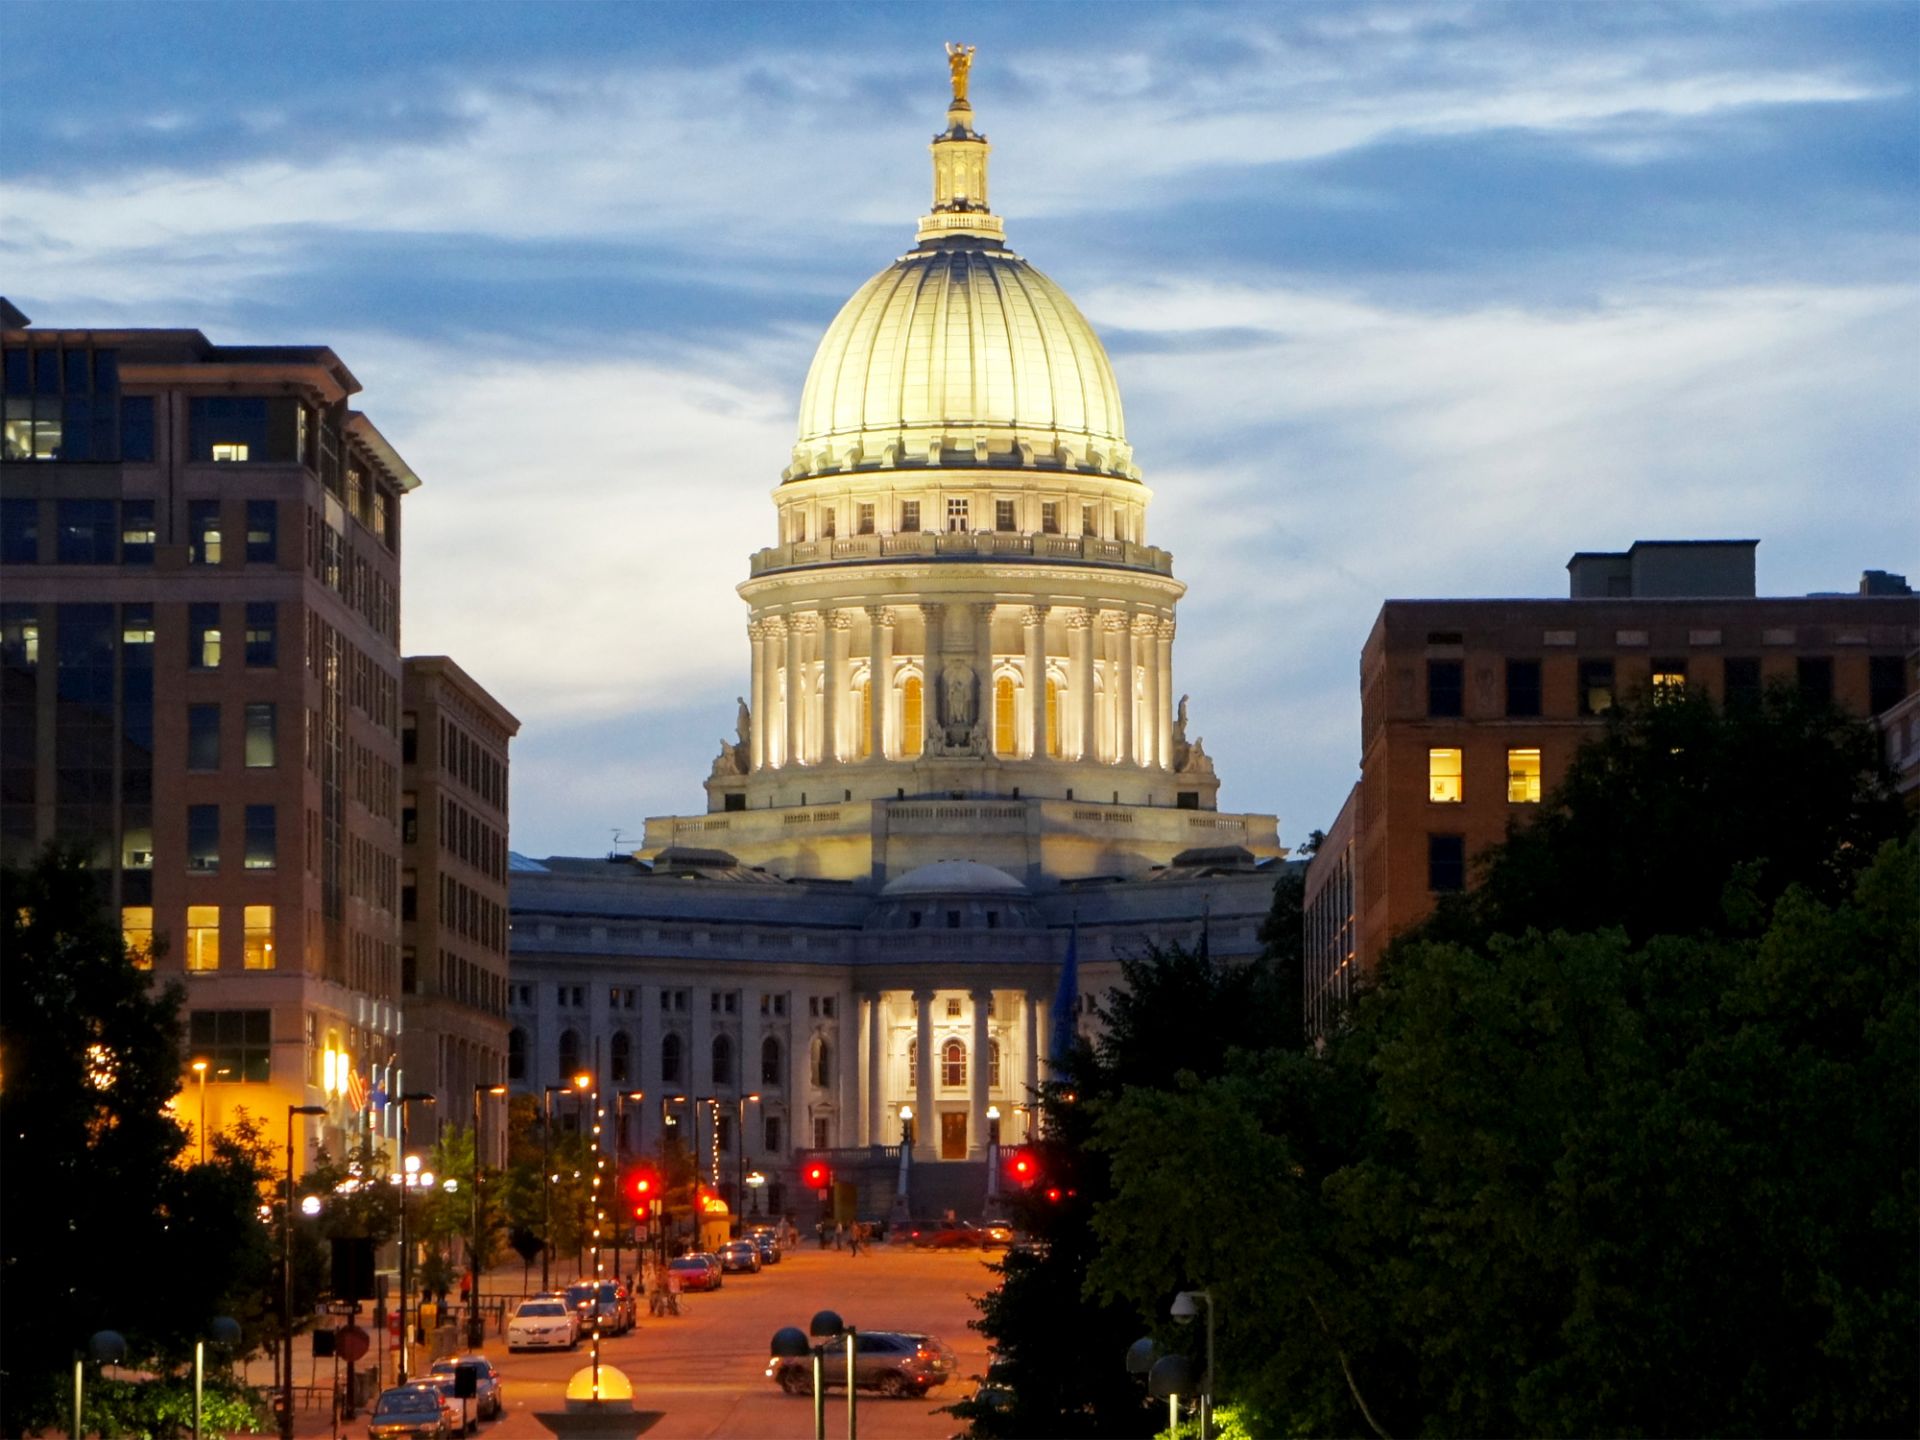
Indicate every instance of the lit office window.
{"type": "Point", "coordinates": [259, 937]}
{"type": "Point", "coordinates": [203, 532]}
{"type": "Point", "coordinates": [1444, 776]}
{"type": "Point", "coordinates": [1669, 677]}
{"type": "Point", "coordinates": [203, 937]}
{"type": "Point", "coordinates": [136, 930]}
{"type": "Point", "coordinates": [137, 532]}
{"type": "Point", "coordinates": [203, 636]}
{"type": "Point", "coordinates": [262, 743]}
{"type": "Point", "coordinates": [1523, 777]}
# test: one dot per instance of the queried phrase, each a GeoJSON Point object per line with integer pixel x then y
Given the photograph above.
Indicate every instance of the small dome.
{"type": "Point", "coordinates": [954, 877]}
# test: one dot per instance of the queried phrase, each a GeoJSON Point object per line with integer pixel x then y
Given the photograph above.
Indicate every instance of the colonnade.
{"type": "Point", "coordinates": [815, 703]}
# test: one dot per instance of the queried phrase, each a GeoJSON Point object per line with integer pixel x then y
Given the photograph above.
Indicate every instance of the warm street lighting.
{"type": "Point", "coordinates": [412, 1177]}
{"type": "Point", "coordinates": [476, 1330]}
{"type": "Point", "coordinates": [200, 1068]}
{"type": "Point", "coordinates": [740, 1147]}
{"type": "Point", "coordinates": [546, 1170]}
{"type": "Point", "coordinates": [755, 1180]}
{"type": "Point", "coordinates": [286, 1280]}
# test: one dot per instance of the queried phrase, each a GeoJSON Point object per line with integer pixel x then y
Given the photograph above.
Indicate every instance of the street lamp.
{"type": "Point", "coordinates": [754, 1181]}
{"type": "Point", "coordinates": [993, 1158]}
{"type": "Point", "coordinates": [789, 1343]}
{"type": "Point", "coordinates": [579, 1082]}
{"type": "Point", "coordinates": [740, 1148]}
{"type": "Point", "coordinates": [476, 1332]}
{"type": "Point", "coordinates": [1184, 1308]}
{"type": "Point", "coordinates": [620, 1098]}
{"type": "Point", "coordinates": [200, 1069]}
{"type": "Point", "coordinates": [410, 1170]}
{"type": "Point", "coordinates": [902, 1208]}
{"type": "Point", "coordinates": [286, 1280]}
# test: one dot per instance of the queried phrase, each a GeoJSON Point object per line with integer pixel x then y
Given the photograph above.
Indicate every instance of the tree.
{"type": "Point", "coordinates": [1283, 947]}
{"type": "Point", "coordinates": [92, 1152]}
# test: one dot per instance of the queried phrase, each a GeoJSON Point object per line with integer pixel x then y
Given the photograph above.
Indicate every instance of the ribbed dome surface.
{"type": "Point", "coordinates": [960, 352]}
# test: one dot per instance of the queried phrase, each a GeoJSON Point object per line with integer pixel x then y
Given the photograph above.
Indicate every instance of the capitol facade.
{"type": "Point", "coordinates": [962, 746]}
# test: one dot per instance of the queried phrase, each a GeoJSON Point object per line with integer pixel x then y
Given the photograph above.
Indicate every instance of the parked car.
{"type": "Point", "coordinates": [896, 1363]}
{"type": "Point", "coordinates": [740, 1256]}
{"type": "Point", "coordinates": [996, 1235]}
{"type": "Point", "coordinates": [491, 1400]}
{"type": "Point", "coordinates": [943, 1235]}
{"type": "Point", "coordinates": [615, 1306]}
{"type": "Point", "coordinates": [695, 1273]}
{"type": "Point", "coordinates": [408, 1412]}
{"type": "Point", "coordinates": [767, 1239]}
{"type": "Point", "coordinates": [544, 1322]}
{"type": "Point", "coordinates": [462, 1418]}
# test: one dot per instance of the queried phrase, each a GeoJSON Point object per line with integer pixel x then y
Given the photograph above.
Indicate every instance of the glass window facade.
{"type": "Point", "coordinates": [262, 738]}
{"type": "Point", "coordinates": [263, 634]}
{"type": "Point", "coordinates": [19, 531]}
{"type": "Point", "coordinates": [87, 531]}
{"type": "Point", "coordinates": [1523, 777]}
{"type": "Point", "coordinates": [137, 532]}
{"type": "Point", "coordinates": [203, 737]}
{"type": "Point", "coordinates": [263, 532]}
{"type": "Point", "coordinates": [1595, 687]}
{"type": "Point", "coordinates": [203, 839]}
{"type": "Point", "coordinates": [203, 942]}
{"type": "Point", "coordinates": [258, 946]}
{"type": "Point", "coordinates": [262, 838]}
{"type": "Point", "coordinates": [1444, 778]}
{"type": "Point", "coordinates": [237, 1044]}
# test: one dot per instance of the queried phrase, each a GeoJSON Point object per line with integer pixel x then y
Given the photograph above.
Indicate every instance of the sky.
{"type": "Point", "coordinates": [1404, 301]}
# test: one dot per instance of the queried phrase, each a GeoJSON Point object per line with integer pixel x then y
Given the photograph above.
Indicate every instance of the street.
{"type": "Point", "coordinates": [704, 1372]}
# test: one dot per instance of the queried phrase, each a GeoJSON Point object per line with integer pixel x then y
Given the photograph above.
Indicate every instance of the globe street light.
{"type": "Point", "coordinates": [1184, 1308]}
{"type": "Point", "coordinates": [286, 1280]}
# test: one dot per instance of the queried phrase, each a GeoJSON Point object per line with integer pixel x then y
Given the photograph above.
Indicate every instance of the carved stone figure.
{"type": "Point", "coordinates": [958, 686]}
{"type": "Point", "coordinates": [1197, 762]}
{"type": "Point", "coordinates": [1181, 750]}
{"type": "Point", "coordinates": [743, 722]}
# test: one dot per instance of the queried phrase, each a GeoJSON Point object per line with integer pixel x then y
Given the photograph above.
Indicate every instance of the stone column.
{"type": "Point", "coordinates": [927, 1146]}
{"type": "Point", "coordinates": [978, 1075]}
{"type": "Point", "coordinates": [1080, 746]}
{"type": "Point", "coordinates": [833, 684]}
{"type": "Point", "coordinates": [1123, 705]}
{"type": "Point", "coordinates": [983, 611]}
{"type": "Point", "coordinates": [1035, 621]}
{"type": "Point", "coordinates": [773, 633]}
{"type": "Point", "coordinates": [797, 625]}
{"type": "Point", "coordinates": [1144, 630]}
{"type": "Point", "coordinates": [879, 678]}
{"type": "Point", "coordinates": [1163, 635]}
{"type": "Point", "coordinates": [1030, 1008]}
{"type": "Point", "coordinates": [933, 660]}
{"type": "Point", "coordinates": [757, 750]}
{"type": "Point", "coordinates": [876, 1072]}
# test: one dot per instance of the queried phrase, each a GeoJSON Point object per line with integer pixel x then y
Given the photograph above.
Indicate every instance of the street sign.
{"type": "Point", "coordinates": [343, 1307]}
{"type": "Point", "coordinates": [351, 1343]}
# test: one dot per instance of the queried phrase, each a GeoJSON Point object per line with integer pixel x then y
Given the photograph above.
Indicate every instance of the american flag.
{"type": "Point", "coordinates": [356, 1090]}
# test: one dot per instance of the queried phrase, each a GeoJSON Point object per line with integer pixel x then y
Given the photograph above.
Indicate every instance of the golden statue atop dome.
{"type": "Point", "coordinates": [959, 61]}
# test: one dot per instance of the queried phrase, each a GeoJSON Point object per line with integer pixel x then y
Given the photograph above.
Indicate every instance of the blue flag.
{"type": "Point", "coordinates": [1066, 1002]}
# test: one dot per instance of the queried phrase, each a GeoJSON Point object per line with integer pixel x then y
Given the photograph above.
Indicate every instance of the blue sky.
{"type": "Point", "coordinates": [1403, 300]}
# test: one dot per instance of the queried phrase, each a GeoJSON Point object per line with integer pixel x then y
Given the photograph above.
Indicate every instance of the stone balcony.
{"type": "Point", "coordinates": [963, 545]}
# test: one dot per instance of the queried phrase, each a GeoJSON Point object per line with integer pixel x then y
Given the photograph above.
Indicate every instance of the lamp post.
{"type": "Point", "coordinates": [902, 1209]}
{"type": "Point", "coordinates": [579, 1082]}
{"type": "Point", "coordinates": [993, 1159]}
{"type": "Point", "coordinates": [666, 1120]}
{"type": "Point", "coordinates": [410, 1176]}
{"type": "Point", "coordinates": [740, 1149]}
{"type": "Point", "coordinates": [620, 1098]}
{"type": "Point", "coordinates": [200, 1069]}
{"type": "Point", "coordinates": [286, 1280]}
{"type": "Point", "coordinates": [1184, 1308]}
{"type": "Point", "coordinates": [476, 1332]}
{"type": "Point", "coordinates": [755, 1181]}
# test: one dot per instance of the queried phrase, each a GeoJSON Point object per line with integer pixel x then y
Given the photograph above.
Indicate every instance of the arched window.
{"type": "Point", "coordinates": [516, 1054]}
{"type": "Point", "coordinates": [993, 1064]}
{"type": "Point", "coordinates": [912, 725]}
{"type": "Point", "coordinates": [670, 1059]}
{"type": "Point", "coordinates": [953, 1064]}
{"type": "Point", "coordinates": [1053, 718]}
{"type": "Point", "coordinates": [569, 1054]}
{"type": "Point", "coordinates": [913, 1062]}
{"type": "Point", "coordinates": [620, 1056]}
{"type": "Point", "coordinates": [770, 1061]}
{"type": "Point", "coordinates": [822, 1064]}
{"type": "Point", "coordinates": [722, 1060]}
{"type": "Point", "coordinates": [1004, 727]}
{"type": "Point", "coordinates": [866, 719]}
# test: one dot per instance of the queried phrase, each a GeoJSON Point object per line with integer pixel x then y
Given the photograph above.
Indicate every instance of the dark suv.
{"type": "Point", "coordinates": [894, 1363]}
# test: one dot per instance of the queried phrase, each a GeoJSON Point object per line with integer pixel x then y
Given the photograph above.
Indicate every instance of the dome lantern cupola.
{"type": "Point", "coordinates": [960, 166]}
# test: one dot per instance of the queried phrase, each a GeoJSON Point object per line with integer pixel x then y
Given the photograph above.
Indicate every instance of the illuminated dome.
{"type": "Point", "coordinates": [960, 352]}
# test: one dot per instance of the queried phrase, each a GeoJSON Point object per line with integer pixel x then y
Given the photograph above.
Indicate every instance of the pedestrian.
{"type": "Point", "coordinates": [821, 1231]}
{"type": "Point", "coordinates": [840, 1235]}
{"type": "Point", "coordinates": [854, 1239]}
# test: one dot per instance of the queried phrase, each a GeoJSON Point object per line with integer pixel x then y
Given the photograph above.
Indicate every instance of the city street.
{"type": "Point", "coordinates": [704, 1373]}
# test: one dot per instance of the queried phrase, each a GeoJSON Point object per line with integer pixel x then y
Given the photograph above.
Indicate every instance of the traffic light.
{"type": "Point", "coordinates": [642, 1188]}
{"type": "Point", "coordinates": [1022, 1168]}
{"type": "Point", "coordinates": [818, 1175]}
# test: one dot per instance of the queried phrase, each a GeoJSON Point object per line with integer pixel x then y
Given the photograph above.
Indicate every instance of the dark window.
{"type": "Point", "coordinates": [516, 1054]}
{"type": "Point", "coordinates": [137, 532]}
{"type": "Point", "coordinates": [409, 742]}
{"type": "Point", "coordinates": [864, 520]}
{"type": "Point", "coordinates": [1815, 674]}
{"type": "Point", "coordinates": [771, 1133]}
{"type": "Point", "coordinates": [1523, 687]}
{"type": "Point", "coordinates": [409, 902]}
{"type": "Point", "coordinates": [1446, 686]}
{"type": "Point", "coordinates": [263, 634]}
{"type": "Point", "coordinates": [620, 1056]}
{"type": "Point", "coordinates": [1050, 517]}
{"type": "Point", "coordinates": [770, 1061]}
{"type": "Point", "coordinates": [263, 846]}
{"type": "Point", "coordinates": [1446, 863]}
{"type": "Point", "coordinates": [203, 532]}
{"type": "Point", "coordinates": [909, 516]}
{"type": "Point", "coordinates": [410, 970]}
{"type": "Point", "coordinates": [203, 636]}
{"type": "Point", "coordinates": [722, 1060]}
{"type": "Point", "coordinates": [1003, 514]}
{"type": "Point", "coordinates": [822, 1064]}
{"type": "Point", "coordinates": [263, 742]}
{"type": "Point", "coordinates": [16, 373]}
{"type": "Point", "coordinates": [136, 427]}
{"type": "Point", "coordinates": [19, 530]}
{"type": "Point", "coordinates": [203, 838]}
{"type": "Point", "coordinates": [1596, 687]}
{"type": "Point", "coordinates": [1740, 681]}
{"type": "Point", "coordinates": [203, 737]}
{"type": "Point", "coordinates": [87, 532]}
{"type": "Point", "coordinates": [263, 532]}
{"type": "Point", "coordinates": [236, 1044]}
{"type": "Point", "coordinates": [242, 428]}
{"type": "Point", "coordinates": [670, 1059]}
{"type": "Point", "coordinates": [1886, 682]}
{"type": "Point", "coordinates": [569, 1049]}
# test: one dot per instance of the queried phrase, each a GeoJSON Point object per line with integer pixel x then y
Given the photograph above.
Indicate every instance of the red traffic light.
{"type": "Point", "coordinates": [1022, 1168]}
{"type": "Point", "coordinates": [1053, 1194]}
{"type": "Point", "coordinates": [642, 1188]}
{"type": "Point", "coordinates": [818, 1175]}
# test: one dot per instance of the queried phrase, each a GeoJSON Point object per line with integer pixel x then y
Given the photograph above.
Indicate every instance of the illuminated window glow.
{"type": "Point", "coordinates": [912, 727]}
{"type": "Point", "coordinates": [953, 1065]}
{"type": "Point", "coordinates": [230, 452]}
{"type": "Point", "coordinates": [1523, 777]}
{"type": "Point", "coordinates": [1444, 781]}
{"type": "Point", "coordinates": [1003, 726]}
{"type": "Point", "coordinates": [203, 938]}
{"type": "Point", "coordinates": [1053, 718]}
{"type": "Point", "coordinates": [136, 930]}
{"type": "Point", "coordinates": [1669, 677]}
{"type": "Point", "coordinates": [866, 719]}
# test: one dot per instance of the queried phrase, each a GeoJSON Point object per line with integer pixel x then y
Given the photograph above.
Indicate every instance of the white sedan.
{"type": "Point", "coordinates": [544, 1322]}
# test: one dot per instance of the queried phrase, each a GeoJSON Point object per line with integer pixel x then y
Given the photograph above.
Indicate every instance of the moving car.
{"type": "Point", "coordinates": [740, 1255]}
{"type": "Point", "coordinates": [996, 1235]}
{"type": "Point", "coordinates": [896, 1363]}
{"type": "Point", "coordinates": [767, 1239]}
{"type": "Point", "coordinates": [943, 1235]}
{"type": "Point", "coordinates": [462, 1416]}
{"type": "Point", "coordinates": [615, 1306]}
{"type": "Point", "coordinates": [408, 1412]}
{"type": "Point", "coordinates": [544, 1322]}
{"type": "Point", "coordinates": [695, 1273]}
{"type": "Point", "coordinates": [490, 1401]}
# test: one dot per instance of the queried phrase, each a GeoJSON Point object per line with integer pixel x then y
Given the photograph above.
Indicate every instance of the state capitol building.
{"type": "Point", "coordinates": [962, 744]}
